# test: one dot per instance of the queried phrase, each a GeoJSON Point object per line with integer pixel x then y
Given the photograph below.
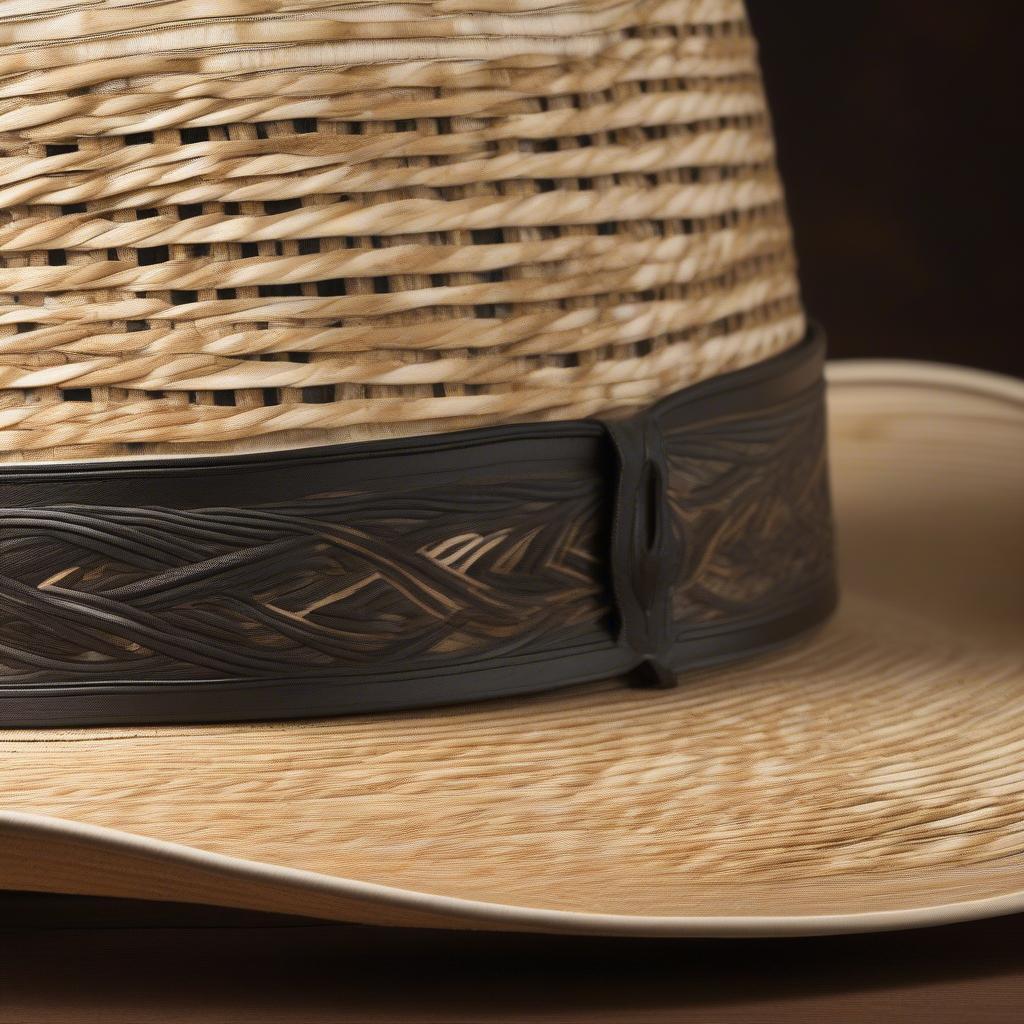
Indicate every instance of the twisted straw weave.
{"type": "Point", "coordinates": [265, 223]}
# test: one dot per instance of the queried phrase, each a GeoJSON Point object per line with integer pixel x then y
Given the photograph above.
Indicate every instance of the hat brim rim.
{"type": "Point", "coordinates": [215, 879]}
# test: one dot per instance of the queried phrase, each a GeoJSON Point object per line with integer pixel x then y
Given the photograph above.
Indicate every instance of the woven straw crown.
{"type": "Point", "coordinates": [268, 223]}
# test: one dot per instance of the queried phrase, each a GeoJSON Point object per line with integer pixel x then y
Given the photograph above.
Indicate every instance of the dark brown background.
{"type": "Point", "coordinates": [898, 126]}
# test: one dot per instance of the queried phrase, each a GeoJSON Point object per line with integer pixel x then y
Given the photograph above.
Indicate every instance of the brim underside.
{"type": "Point", "coordinates": [869, 776]}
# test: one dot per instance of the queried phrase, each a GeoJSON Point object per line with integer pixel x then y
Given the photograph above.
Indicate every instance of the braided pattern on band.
{"type": "Point", "coordinates": [323, 582]}
{"type": "Point", "coordinates": [750, 503]}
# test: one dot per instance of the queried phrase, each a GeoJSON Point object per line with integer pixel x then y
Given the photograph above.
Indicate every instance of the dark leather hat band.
{"type": "Point", "coordinates": [424, 571]}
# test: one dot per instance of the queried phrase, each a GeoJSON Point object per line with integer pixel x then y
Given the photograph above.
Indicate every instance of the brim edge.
{"type": "Point", "coordinates": [475, 914]}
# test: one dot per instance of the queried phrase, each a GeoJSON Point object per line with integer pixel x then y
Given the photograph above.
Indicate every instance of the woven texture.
{"type": "Point", "coordinates": [297, 222]}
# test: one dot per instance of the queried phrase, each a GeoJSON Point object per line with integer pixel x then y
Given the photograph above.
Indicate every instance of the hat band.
{"type": "Point", "coordinates": [422, 571]}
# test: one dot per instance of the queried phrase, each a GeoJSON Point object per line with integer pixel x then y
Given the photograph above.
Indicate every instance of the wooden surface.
{"type": "Point", "coordinates": [115, 961]}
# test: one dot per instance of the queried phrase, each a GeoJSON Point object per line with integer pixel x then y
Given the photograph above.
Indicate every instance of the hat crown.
{"type": "Point", "coordinates": [327, 223]}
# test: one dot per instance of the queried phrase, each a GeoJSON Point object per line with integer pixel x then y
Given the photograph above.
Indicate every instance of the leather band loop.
{"type": "Point", "coordinates": [423, 571]}
{"type": "Point", "coordinates": [646, 549]}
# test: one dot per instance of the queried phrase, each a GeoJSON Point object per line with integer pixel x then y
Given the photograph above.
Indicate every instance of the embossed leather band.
{"type": "Point", "coordinates": [422, 571]}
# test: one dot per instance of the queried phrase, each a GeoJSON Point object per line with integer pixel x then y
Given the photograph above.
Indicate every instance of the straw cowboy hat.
{"type": "Point", "coordinates": [415, 503]}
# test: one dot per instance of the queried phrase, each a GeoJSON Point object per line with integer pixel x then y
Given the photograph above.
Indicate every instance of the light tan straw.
{"type": "Point", "coordinates": [267, 223]}
{"type": "Point", "coordinates": [866, 777]}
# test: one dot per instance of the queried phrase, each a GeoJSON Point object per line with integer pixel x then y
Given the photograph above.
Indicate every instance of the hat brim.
{"type": "Point", "coordinates": [868, 776]}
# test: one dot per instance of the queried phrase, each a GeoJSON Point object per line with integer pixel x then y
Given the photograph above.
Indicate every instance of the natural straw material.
{"type": "Point", "coordinates": [281, 222]}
